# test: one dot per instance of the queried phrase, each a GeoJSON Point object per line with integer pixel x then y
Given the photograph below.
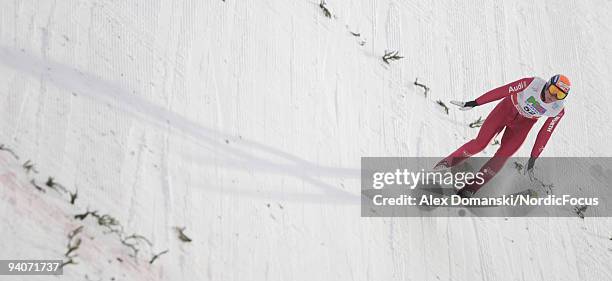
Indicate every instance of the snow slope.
{"type": "Point", "coordinates": [245, 121]}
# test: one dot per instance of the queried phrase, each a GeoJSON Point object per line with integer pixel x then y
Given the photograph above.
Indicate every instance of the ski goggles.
{"type": "Point", "coordinates": [555, 91]}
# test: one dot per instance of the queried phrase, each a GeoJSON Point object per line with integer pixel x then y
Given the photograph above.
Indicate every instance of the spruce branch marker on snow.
{"type": "Point", "coordinates": [84, 215]}
{"type": "Point", "coordinates": [518, 166]}
{"type": "Point", "coordinates": [133, 241]}
{"type": "Point", "coordinates": [181, 234]}
{"type": "Point", "coordinates": [73, 245]}
{"type": "Point", "coordinates": [358, 35]}
{"type": "Point", "coordinates": [579, 210]}
{"type": "Point", "coordinates": [111, 223]}
{"type": "Point", "coordinates": [443, 105]}
{"type": "Point", "coordinates": [138, 237]}
{"type": "Point", "coordinates": [127, 241]}
{"type": "Point", "coordinates": [477, 123]}
{"type": "Point", "coordinates": [69, 261]}
{"type": "Point", "coordinates": [391, 56]}
{"type": "Point", "coordinates": [157, 256]}
{"type": "Point", "coordinates": [324, 8]}
{"type": "Point", "coordinates": [107, 221]}
{"type": "Point", "coordinates": [416, 83]}
{"type": "Point", "coordinates": [3, 147]}
{"type": "Point", "coordinates": [545, 188]}
{"type": "Point", "coordinates": [28, 166]}
{"type": "Point", "coordinates": [73, 196]}
{"type": "Point", "coordinates": [38, 187]}
{"type": "Point", "coordinates": [55, 186]}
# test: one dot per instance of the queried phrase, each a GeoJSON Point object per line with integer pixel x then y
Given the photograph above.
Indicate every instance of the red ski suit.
{"type": "Point", "coordinates": [507, 114]}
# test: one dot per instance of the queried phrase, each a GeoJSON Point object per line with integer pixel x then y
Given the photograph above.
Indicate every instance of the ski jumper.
{"type": "Point", "coordinates": [519, 110]}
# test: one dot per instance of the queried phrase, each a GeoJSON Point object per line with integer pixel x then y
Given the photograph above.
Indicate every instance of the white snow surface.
{"type": "Point", "coordinates": [244, 121]}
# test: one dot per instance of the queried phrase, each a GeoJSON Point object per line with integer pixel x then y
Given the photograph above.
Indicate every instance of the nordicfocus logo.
{"type": "Point", "coordinates": [517, 88]}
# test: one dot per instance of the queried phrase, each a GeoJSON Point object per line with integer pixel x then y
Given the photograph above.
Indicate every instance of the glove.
{"type": "Point", "coordinates": [530, 163]}
{"type": "Point", "coordinates": [464, 105]}
{"type": "Point", "coordinates": [529, 169]}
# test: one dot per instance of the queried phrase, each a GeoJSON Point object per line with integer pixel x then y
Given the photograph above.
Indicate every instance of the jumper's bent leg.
{"type": "Point", "coordinates": [513, 138]}
{"type": "Point", "coordinates": [494, 123]}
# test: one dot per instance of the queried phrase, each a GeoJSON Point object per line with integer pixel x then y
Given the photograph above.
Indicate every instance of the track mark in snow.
{"type": "Point", "coordinates": [211, 73]}
{"type": "Point", "coordinates": [393, 28]}
{"type": "Point", "coordinates": [244, 152]}
{"type": "Point", "coordinates": [137, 179]}
{"type": "Point", "coordinates": [336, 107]}
{"type": "Point", "coordinates": [166, 183]}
